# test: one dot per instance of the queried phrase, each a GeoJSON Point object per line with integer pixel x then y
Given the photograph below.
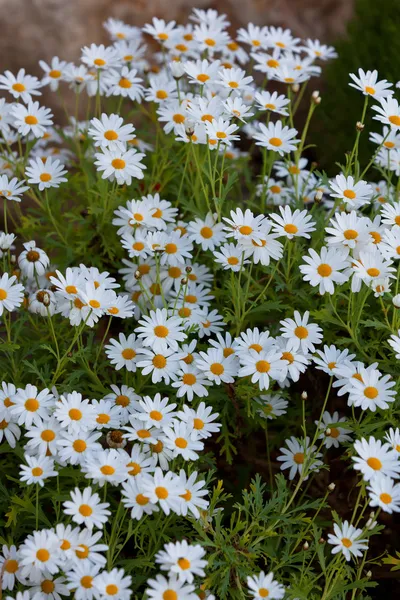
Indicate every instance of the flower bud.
{"type": "Point", "coordinates": [396, 301]}
{"type": "Point", "coordinates": [306, 546]}
{"type": "Point", "coordinates": [331, 487]}
{"type": "Point", "coordinates": [188, 269]}
{"type": "Point", "coordinates": [318, 195]}
{"type": "Point", "coordinates": [295, 88]}
{"type": "Point", "coordinates": [184, 281]}
{"type": "Point", "coordinates": [359, 126]}
{"type": "Point", "coordinates": [321, 540]}
{"type": "Point", "coordinates": [13, 259]}
{"type": "Point", "coordinates": [328, 431]}
{"type": "Point", "coordinates": [138, 275]}
{"type": "Point", "coordinates": [368, 574]}
{"type": "Point", "coordinates": [304, 395]}
{"type": "Point", "coordinates": [315, 97]}
{"type": "Point", "coordinates": [177, 69]}
{"type": "Point", "coordinates": [115, 440]}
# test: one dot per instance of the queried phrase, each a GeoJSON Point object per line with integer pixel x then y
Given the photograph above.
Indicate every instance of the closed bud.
{"type": "Point", "coordinates": [328, 431]}
{"type": "Point", "coordinates": [359, 126]}
{"type": "Point", "coordinates": [396, 301]}
{"type": "Point", "coordinates": [304, 395]}
{"type": "Point", "coordinates": [318, 195]}
{"type": "Point", "coordinates": [321, 540]}
{"type": "Point", "coordinates": [295, 88]}
{"type": "Point", "coordinates": [306, 546]}
{"type": "Point", "coordinates": [368, 574]}
{"type": "Point", "coordinates": [13, 259]}
{"type": "Point", "coordinates": [188, 269]}
{"type": "Point", "coordinates": [316, 98]}
{"type": "Point", "coordinates": [184, 281]}
{"type": "Point", "coordinates": [331, 487]}
{"type": "Point", "coordinates": [189, 128]}
{"type": "Point", "coordinates": [177, 69]}
{"type": "Point", "coordinates": [138, 275]}
{"type": "Point", "coordinates": [115, 440]}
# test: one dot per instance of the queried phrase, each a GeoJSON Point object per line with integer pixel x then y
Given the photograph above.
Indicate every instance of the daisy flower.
{"type": "Point", "coordinates": [348, 230]}
{"type": "Point", "coordinates": [104, 466]}
{"type": "Point", "coordinates": [390, 244]}
{"type": "Point", "coordinates": [292, 224]}
{"type": "Point", "coordinates": [371, 266]}
{"type": "Point", "coordinates": [272, 101]}
{"type": "Point", "coordinates": [216, 366]}
{"type": "Point", "coordinates": [190, 382]}
{"type": "Point", "coordinates": [333, 434]}
{"type": "Point", "coordinates": [9, 565]}
{"type": "Point", "coordinates": [159, 29]}
{"type": "Point", "coordinates": [210, 38]}
{"type": "Point", "coordinates": [110, 132]}
{"type": "Point", "coordinates": [331, 358]}
{"type": "Point", "coordinates": [231, 257]}
{"type": "Point", "coordinates": [31, 119]}
{"type": "Point", "coordinates": [388, 112]}
{"type": "Point", "coordinates": [371, 390]}
{"type": "Point", "coordinates": [120, 165]}
{"type": "Point", "coordinates": [296, 362]}
{"type": "Point", "coordinates": [385, 493]}
{"type": "Point", "coordinates": [193, 498]}
{"type": "Point", "coordinates": [73, 448]}
{"type": "Point", "coordinates": [31, 406]}
{"type": "Point", "coordinates": [155, 412]}
{"type": "Point", "coordinates": [298, 453]}
{"type": "Point", "coordinates": [301, 333]}
{"type": "Point", "coordinates": [39, 554]}
{"type": "Point", "coordinates": [125, 352]}
{"type": "Point", "coordinates": [263, 586]}
{"type": "Point", "coordinates": [20, 85]}
{"type": "Point", "coordinates": [276, 137]}
{"type": "Point", "coordinates": [12, 189]}
{"type": "Point", "coordinates": [80, 579]}
{"type": "Point", "coordinates": [10, 431]}
{"type": "Point", "coordinates": [163, 489]}
{"type": "Point", "coordinates": [272, 406]}
{"type": "Point", "coordinates": [206, 232]}
{"type": "Point", "coordinates": [89, 550]}
{"type": "Point", "coordinates": [100, 57]}
{"type": "Point", "coordinates": [391, 214]}
{"type": "Point", "coordinates": [367, 82]}
{"type": "Point", "coordinates": [202, 72]}
{"type": "Point", "coordinates": [375, 457]}
{"type": "Point", "coordinates": [201, 420]}
{"type": "Point", "coordinates": [113, 584]}
{"type": "Point", "coordinates": [394, 342]}
{"type": "Point", "coordinates": [124, 83]}
{"type": "Point", "coordinates": [86, 509]}
{"type": "Point", "coordinates": [220, 131]}
{"type": "Point", "coordinates": [139, 461]}
{"type": "Point", "coordinates": [254, 36]}
{"type": "Point", "coordinates": [160, 331]}
{"type": "Point", "coordinates": [53, 72]}
{"type": "Point", "coordinates": [323, 270]}
{"type": "Point", "coordinates": [354, 194]}
{"type": "Point", "coordinates": [46, 174]}
{"type": "Point", "coordinates": [182, 440]}
{"type": "Point", "coordinates": [160, 587]}
{"type": "Point", "coordinates": [37, 470]}
{"type": "Point", "coordinates": [49, 588]}
{"type": "Point", "coordinates": [183, 559]}
{"type": "Point", "coordinates": [11, 293]}
{"type": "Point", "coordinates": [317, 50]}
{"type": "Point", "coordinates": [244, 226]}
{"type": "Point", "coordinates": [43, 437]}
{"type": "Point", "coordinates": [133, 498]}
{"type": "Point", "coordinates": [262, 366]}
{"type": "Point", "coordinates": [74, 413]}
{"type": "Point", "coordinates": [161, 89]}
{"type": "Point", "coordinates": [347, 539]}
{"type": "Point", "coordinates": [162, 365]}
{"type": "Point", "coordinates": [234, 79]}
{"type": "Point", "coordinates": [235, 107]}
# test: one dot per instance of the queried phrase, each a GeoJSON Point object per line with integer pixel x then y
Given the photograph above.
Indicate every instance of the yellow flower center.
{"type": "Point", "coordinates": [159, 361]}
{"type": "Point", "coordinates": [324, 270]}
{"type": "Point", "coordinates": [274, 141]}
{"type": "Point", "coordinates": [3, 294]}
{"type": "Point", "coordinates": [374, 463]}
{"type": "Point", "coordinates": [349, 194]}
{"type": "Point", "coordinates": [107, 470]}
{"type": "Point", "coordinates": [161, 493]}
{"type": "Point", "coordinates": [85, 510]}
{"type": "Point", "coordinates": [385, 498]}
{"type": "Point", "coordinates": [118, 163]}
{"type": "Point", "coordinates": [142, 500]}
{"type": "Point", "coordinates": [128, 353]}
{"type": "Point", "coordinates": [371, 392]}
{"type": "Point", "coordinates": [373, 272]}
{"type": "Point", "coordinates": [347, 543]}
{"type": "Point", "coordinates": [31, 120]}
{"type": "Point", "coordinates": [124, 83]}
{"type": "Point", "coordinates": [181, 443]}
{"type": "Point", "coordinates": [298, 458]}
{"type": "Point", "coordinates": [301, 332]}
{"type": "Point", "coordinates": [79, 446]}
{"type": "Point", "coordinates": [75, 414]}
{"type": "Point", "coordinates": [31, 405]}
{"type": "Point", "coordinates": [18, 87]}
{"type": "Point", "coordinates": [217, 369]}
{"type": "Point", "coordinates": [43, 555]}
{"type": "Point", "coordinates": [37, 471]}
{"type": "Point", "coordinates": [263, 366]}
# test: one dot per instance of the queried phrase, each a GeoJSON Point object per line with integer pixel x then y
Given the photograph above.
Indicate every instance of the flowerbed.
{"type": "Point", "coordinates": [200, 330]}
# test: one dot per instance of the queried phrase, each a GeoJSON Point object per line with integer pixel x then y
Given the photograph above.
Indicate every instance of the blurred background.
{"type": "Point", "coordinates": [364, 32]}
{"type": "Point", "coordinates": [39, 29]}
